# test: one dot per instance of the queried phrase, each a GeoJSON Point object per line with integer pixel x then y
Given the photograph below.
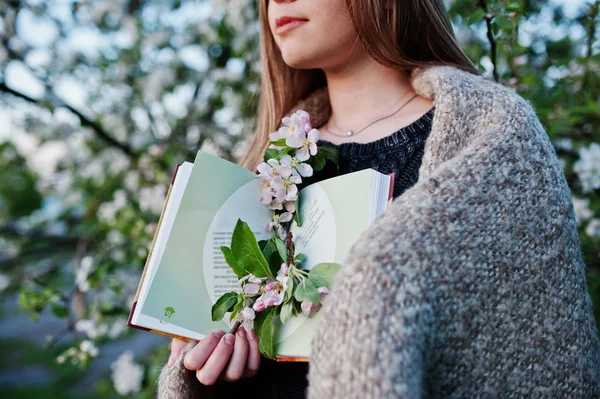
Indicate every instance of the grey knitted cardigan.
{"type": "Point", "coordinates": [471, 284]}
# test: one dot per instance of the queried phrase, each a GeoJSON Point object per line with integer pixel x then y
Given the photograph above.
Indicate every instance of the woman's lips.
{"type": "Point", "coordinates": [285, 24]}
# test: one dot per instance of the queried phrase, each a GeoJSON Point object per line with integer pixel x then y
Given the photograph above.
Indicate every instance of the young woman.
{"type": "Point", "coordinates": [471, 284]}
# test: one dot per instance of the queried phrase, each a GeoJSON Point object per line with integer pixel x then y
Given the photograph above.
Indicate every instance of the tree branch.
{"type": "Point", "coordinates": [594, 11]}
{"type": "Point", "coordinates": [490, 36]}
{"type": "Point", "coordinates": [102, 134]}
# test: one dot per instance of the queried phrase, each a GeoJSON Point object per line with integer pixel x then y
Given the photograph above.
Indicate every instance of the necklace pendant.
{"type": "Point", "coordinates": [349, 133]}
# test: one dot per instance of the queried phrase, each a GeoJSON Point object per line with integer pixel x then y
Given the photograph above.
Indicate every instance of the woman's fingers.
{"type": "Point", "coordinates": [212, 369]}
{"type": "Point", "coordinates": [177, 346]}
{"type": "Point", "coordinates": [253, 355]}
{"type": "Point", "coordinates": [199, 354]}
{"type": "Point", "coordinates": [237, 363]}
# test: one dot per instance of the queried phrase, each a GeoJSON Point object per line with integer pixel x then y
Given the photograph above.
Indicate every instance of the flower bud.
{"type": "Point", "coordinates": [258, 306]}
{"type": "Point", "coordinates": [251, 289]}
{"type": "Point", "coordinates": [284, 269]}
{"type": "Point", "coordinates": [308, 307]}
{"type": "Point", "coordinates": [269, 287]}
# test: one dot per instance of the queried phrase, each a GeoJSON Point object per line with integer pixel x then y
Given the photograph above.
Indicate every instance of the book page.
{"type": "Point", "coordinates": [334, 213]}
{"type": "Point", "coordinates": [244, 204]}
{"type": "Point", "coordinates": [178, 293]}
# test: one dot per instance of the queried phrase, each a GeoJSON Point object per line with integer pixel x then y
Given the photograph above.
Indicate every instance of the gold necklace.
{"type": "Point", "coordinates": [352, 133]}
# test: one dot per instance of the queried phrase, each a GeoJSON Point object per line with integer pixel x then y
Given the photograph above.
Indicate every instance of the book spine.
{"type": "Point", "coordinates": [286, 359]}
{"type": "Point", "coordinates": [391, 189]}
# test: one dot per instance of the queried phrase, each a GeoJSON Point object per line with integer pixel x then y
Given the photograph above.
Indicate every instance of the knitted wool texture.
{"type": "Point", "coordinates": [471, 283]}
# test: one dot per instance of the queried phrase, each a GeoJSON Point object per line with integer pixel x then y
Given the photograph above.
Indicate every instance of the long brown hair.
{"type": "Point", "coordinates": [402, 34]}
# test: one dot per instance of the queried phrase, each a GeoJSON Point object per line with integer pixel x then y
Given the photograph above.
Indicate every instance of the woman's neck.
{"type": "Point", "coordinates": [365, 90]}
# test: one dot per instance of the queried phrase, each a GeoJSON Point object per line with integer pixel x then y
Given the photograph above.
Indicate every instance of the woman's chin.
{"type": "Point", "coordinates": [300, 61]}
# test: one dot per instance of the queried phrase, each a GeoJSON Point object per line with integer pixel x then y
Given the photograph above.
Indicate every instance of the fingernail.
{"type": "Point", "coordinates": [252, 334]}
{"type": "Point", "coordinates": [242, 332]}
{"type": "Point", "coordinates": [171, 360]}
{"type": "Point", "coordinates": [229, 338]}
{"type": "Point", "coordinates": [218, 334]}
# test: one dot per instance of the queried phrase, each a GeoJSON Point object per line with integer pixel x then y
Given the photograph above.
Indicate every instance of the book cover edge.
{"type": "Point", "coordinates": [139, 288]}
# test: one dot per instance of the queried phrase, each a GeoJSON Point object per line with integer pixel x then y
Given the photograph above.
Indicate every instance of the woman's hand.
{"type": "Point", "coordinates": [221, 356]}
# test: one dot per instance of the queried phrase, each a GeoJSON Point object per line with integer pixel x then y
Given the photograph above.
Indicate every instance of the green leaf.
{"type": "Point", "coordinates": [60, 311]}
{"type": "Point", "coordinates": [272, 255]}
{"type": "Point", "coordinates": [232, 262]}
{"type": "Point", "coordinates": [306, 291]}
{"type": "Point", "coordinates": [279, 143]}
{"type": "Point", "coordinates": [265, 328]}
{"type": "Point", "coordinates": [282, 249]}
{"type": "Point", "coordinates": [246, 251]}
{"type": "Point", "coordinates": [223, 304]}
{"type": "Point", "coordinates": [270, 153]}
{"type": "Point", "coordinates": [322, 275]}
{"type": "Point", "coordinates": [286, 311]}
{"type": "Point", "coordinates": [290, 288]}
{"type": "Point", "coordinates": [319, 162]}
{"type": "Point", "coordinates": [296, 215]}
{"type": "Point", "coordinates": [238, 306]}
{"type": "Point", "coordinates": [269, 248]}
{"type": "Point", "coordinates": [329, 153]}
{"type": "Point", "coordinates": [299, 257]}
{"type": "Point", "coordinates": [262, 245]}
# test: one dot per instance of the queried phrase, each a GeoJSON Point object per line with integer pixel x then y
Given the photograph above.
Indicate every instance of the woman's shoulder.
{"type": "Point", "coordinates": [457, 91]}
{"type": "Point", "coordinates": [473, 111]}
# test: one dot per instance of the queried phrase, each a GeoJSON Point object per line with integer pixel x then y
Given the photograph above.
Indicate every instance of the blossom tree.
{"type": "Point", "coordinates": [99, 100]}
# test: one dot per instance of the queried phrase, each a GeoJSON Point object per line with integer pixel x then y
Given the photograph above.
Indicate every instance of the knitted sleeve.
{"type": "Point", "coordinates": [382, 316]}
{"type": "Point", "coordinates": [179, 382]}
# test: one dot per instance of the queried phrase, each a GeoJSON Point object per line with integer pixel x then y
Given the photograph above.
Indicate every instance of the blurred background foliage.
{"type": "Point", "coordinates": [99, 100]}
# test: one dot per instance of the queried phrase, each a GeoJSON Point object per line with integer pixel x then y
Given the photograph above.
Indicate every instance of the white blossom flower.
{"type": "Point", "coordinates": [92, 328]}
{"type": "Point", "coordinates": [582, 209]}
{"type": "Point", "coordinates": [275, 223]}
{"type": "Point", "coordinates": [306, 144]}
{"type": "Point", "coordinates": [153, 198]}
{"type": "Point", "coordinates": [82, 273]}
{"type": "Point", "coordinates": [251, 278]}
{"type": "Point", "coordinates": [4, 281]}
{"type": "Point", "coordinates": [588, 167]}
{"type": "Point", "coordinates": [246, 316]}
{"type": "Point", "coordinates": [593, 228]}
{"type": "Point", "coordinates": [303, 169]}
{"type": "Point", "coordinates": [89, 348]}
{"type": "Point", "coordinates": [282, 180]}
{"type": "Point", "coordinates": [117, 328]}
{"type": "Point", "coordinates": [296, 125]}
{"type": "Point", "coordinates": [127, 376]}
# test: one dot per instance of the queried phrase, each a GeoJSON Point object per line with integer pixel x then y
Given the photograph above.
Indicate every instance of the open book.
{"type": "Point", "coordinates": [185, 272]}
